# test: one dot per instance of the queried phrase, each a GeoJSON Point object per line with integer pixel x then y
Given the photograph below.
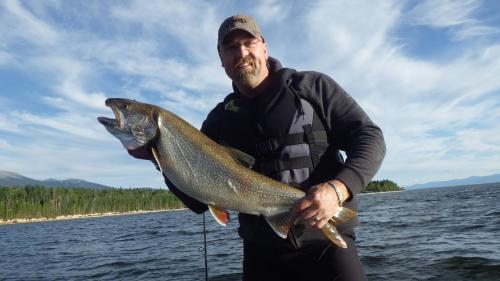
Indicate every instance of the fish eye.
{"type": "Point", "coordinates": [124, 106]}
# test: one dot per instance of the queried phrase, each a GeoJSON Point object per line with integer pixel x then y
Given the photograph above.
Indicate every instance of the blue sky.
{"type": "Point", "coordinates": [428, 72]}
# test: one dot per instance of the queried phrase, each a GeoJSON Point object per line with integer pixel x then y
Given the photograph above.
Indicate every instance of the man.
{"type": "Point", "coordinates": [294, 124]}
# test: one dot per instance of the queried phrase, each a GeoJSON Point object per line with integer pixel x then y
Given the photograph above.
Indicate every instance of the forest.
{"type": "Point", "coordinates": [37, 202]}
{"type": "Point", "coordinates": [381, 186]}
{"type": "Point", "coordinates": [49, 202]}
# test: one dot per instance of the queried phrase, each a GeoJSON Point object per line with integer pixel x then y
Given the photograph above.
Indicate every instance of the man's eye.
{"type": "Point", "coordinates": [250, 44]}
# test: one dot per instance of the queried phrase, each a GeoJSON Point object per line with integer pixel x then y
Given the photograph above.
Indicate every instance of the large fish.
{"type": "Point", "coordinates": [213, 174]}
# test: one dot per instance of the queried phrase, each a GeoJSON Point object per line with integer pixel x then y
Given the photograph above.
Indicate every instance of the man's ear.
{"type": "Point", "coordinates": [265, 50]}
{"type": "Point", "coordinates": [220, 56]}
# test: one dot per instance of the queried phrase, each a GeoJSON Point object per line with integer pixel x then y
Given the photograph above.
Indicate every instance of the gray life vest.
{"type": "Point", "coordinates": [289, 142]}
{"type": "Point", "coordinates": [291, 155]}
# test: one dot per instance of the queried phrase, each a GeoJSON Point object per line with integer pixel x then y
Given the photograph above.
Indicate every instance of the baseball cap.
{"type": "Point", "coordinates": [240, 22]}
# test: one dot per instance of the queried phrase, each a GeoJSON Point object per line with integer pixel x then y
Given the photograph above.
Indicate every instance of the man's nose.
{"type": "Point", "coordinates": [242, 51]}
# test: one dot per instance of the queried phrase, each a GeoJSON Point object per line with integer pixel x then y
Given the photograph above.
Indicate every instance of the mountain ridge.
{"type": "Point", "coordinates": [458, 182]}
{"type": "Point", "coordinates": [10, 179]}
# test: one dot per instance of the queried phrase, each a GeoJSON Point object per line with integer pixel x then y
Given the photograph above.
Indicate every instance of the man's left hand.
{"type": "Point", "coordinates": [319, 204]}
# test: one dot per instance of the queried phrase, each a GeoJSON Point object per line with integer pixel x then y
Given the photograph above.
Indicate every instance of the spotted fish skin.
{"type": "Point", "coordinates": [216, 175]}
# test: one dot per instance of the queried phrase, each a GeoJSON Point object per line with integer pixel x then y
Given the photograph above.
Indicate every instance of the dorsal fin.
{"type": "Point", "coordinates": [240, 156]}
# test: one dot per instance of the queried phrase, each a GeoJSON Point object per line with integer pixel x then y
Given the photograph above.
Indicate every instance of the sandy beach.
{"type": "Point", "coordinates": [380, 192]}
{"type": "Point", "coordinates": [71, 217]}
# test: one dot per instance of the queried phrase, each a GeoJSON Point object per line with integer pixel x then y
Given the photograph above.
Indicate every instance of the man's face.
{"type": "Point", "coordinates": [244, 59]}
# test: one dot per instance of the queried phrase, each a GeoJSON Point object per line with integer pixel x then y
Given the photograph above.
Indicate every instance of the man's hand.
{"type": "Point", "coordinates": [320, 203]}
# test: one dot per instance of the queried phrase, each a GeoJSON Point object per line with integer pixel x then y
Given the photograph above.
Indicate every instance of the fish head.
{"type": "Point", "coordinates": [135, 123]}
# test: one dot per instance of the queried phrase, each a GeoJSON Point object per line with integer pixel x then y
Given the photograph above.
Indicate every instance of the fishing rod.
{"type": "Point", "coordinates": [205, 247]}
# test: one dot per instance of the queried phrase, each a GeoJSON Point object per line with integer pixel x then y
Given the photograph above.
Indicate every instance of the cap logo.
{"type": "Point", "coordinates": [242, 20]}
{"type": "Point", "coordinates": [235, 21]}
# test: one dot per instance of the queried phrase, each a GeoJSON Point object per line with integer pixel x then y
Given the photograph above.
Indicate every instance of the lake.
{"type": "Point", "coordinates": [430, 234]}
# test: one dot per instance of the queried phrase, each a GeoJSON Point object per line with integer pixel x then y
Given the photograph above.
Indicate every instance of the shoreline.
{"type": "Point", "coordinates": [366, 193]}
{"type": "Point", "coordinates": [80, 216]}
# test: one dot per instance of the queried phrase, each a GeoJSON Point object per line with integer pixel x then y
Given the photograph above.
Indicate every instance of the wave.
{"type": "Point", "coordinates": [475, 268]}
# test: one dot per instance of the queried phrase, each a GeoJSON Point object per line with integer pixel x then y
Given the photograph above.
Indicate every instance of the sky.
{"type": "Point", "coordinates": [427, 72]}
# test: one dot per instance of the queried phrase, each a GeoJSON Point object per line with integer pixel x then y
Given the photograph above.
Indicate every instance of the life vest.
{"type": "Point", "coordinates": [292, 140]}
{"type": "Point", "coordinates": [289, 142]}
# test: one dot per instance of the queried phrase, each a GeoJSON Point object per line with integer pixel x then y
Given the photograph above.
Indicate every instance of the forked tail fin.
{"type": "Point", "coordinates": [341, 216]}
{"type": "Point", "coordinates": [282, 222]}
{"type": "Point", "coordinates": [331, 232]}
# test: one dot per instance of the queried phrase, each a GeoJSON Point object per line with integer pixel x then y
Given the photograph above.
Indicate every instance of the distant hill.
{"type": "Point", "coordinates": [457, 182]}
{"type": "Point", "coordinates": [14, 179]}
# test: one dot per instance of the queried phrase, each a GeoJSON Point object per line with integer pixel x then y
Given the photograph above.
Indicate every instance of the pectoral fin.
{"type": "Point", "coordinates": [157, 158]}
{"type": "Point", "coordinates": [331, 233]}
{"type": "Point", "coordinates": [281, 223]}
{"type": "Point", "coordinates": [240, 156]}
{"type": "Point", "coordinates": [220, 215]}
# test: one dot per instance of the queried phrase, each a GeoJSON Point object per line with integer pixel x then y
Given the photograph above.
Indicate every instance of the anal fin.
{"type": "Point", "coordinates": [281, 223]}
{"type": "Point", "coordinates": [220, 215]}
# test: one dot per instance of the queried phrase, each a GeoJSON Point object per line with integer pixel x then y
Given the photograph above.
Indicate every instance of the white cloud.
{"type": "Point", "coordinates": [5, 145]}
{"type": "Point", "coordinates": [423, 106]}
{"type": "Point", "coordinates": [21, 24]}
{"type": "Point", "coordinates": [475, 30]}
{"type": "Point", "coordinates": [68, 74]}
{"type": "Point", "coordinates": [458, 15]}
{"type": "Point", "coordinates": [5, 57]}
{"type": "Point", "coordinates": [190, 23]}
{"type": "Point", "coordinates": [77, 125]}
{"type": "Point", "coordinates": [272, 11]}
{"type": "Point", "coordinates": [8, 124]}
{"type": "Point", "coordinates": [442, 13]}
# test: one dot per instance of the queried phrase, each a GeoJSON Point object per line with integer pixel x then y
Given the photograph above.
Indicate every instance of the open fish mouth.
{"type": "Point", "coordinates": [110, 122]}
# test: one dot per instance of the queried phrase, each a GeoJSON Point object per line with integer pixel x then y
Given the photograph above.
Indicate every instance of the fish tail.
{"type": "Point", "coordinates": [343, 215]}
{"type": "Point", "coordinates": [330, 231]}
{"type": "Point", "coordinates": [281, 223]}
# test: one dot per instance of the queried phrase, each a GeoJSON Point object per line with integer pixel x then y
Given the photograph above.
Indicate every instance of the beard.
{"type": "Point", "coordinates": [245, 77]}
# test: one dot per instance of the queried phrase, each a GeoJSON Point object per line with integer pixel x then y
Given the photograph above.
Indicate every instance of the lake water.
{"type": "Point", "coordinates": [431, 234]}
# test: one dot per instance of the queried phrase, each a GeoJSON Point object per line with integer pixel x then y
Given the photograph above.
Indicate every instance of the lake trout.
{"type": "Point", "coordinates": [218, 176]}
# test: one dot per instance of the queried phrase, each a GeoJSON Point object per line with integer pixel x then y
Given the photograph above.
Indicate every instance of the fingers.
{"type": "Point", "coordinates": [311, 213]}
{"type": "Point", "coordinates": [317, 206]}
{"type": "Point", "coordinates": [302, 204]}
{"type": "Point", "coordinates": [317, 221]}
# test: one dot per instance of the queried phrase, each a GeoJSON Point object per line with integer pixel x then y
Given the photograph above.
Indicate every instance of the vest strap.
{"type": "Point", "coordinates": [278, 165]}
{"type": "Point", "coordinates": [308, 137]}
{"type": "Point", "coordinates": [308, 132]}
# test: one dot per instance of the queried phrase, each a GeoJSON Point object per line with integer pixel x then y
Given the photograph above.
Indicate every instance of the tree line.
{"type": "Point", "coordinates": [37, 201]}
{"type": "Point", "coordinates": [381, 186]}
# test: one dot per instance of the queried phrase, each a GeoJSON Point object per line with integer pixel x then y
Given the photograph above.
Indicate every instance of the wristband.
{"type": "Point", "coordinates": [339, 194]}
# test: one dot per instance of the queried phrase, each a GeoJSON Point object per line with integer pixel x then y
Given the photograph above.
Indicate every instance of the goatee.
{"type": "Point", "coordinates": [244, 76]}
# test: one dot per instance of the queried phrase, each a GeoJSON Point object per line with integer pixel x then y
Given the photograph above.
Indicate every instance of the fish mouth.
{"type": "Point", "coordinates": [110, 122]}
